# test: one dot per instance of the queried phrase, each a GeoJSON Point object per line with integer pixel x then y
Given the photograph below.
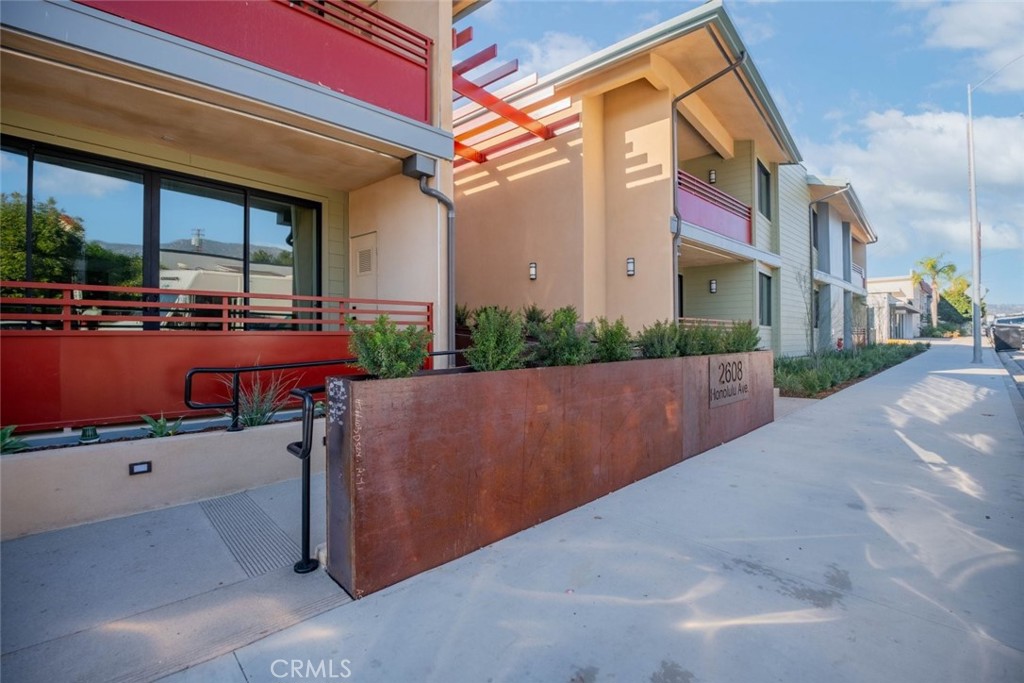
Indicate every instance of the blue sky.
{"type": "Point", "coordinates": [874, 92]}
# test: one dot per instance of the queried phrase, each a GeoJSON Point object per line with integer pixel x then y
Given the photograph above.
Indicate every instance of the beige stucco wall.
{"type": "Point", "coordinates": [523, 207]}
{"type": "Point", "coordinates": [411, 232]}
{"type": "Point", "coordinates": [57, 488]}
{"type": "Point", "coordinates": [638, 204]}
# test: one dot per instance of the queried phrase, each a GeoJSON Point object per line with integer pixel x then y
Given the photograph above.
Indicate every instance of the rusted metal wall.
{"type": "Point", "coordinates": [427, 469]}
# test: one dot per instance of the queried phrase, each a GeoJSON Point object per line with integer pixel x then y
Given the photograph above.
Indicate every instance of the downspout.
{"type": "Point", "coordinates": [450, 206]}
{"type": "Point", "coordinates": [419, 166]}
{"type": "Point", "coordinates": [810, 258]}
{"type": "Point", "coordinates": [677, 233]}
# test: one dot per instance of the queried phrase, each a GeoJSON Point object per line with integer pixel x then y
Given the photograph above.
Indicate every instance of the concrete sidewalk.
{"type": "Point", "coordinates": [872, 536]}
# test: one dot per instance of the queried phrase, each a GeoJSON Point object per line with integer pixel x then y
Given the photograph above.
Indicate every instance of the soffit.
{"type": "Point", "coordinates": [59, 82]}
{"type": "Point", "coordinates": [847, 206]}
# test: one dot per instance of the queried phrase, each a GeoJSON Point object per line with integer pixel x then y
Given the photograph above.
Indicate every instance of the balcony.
{"type": "Point", "coordinates": [857, 275]}
{"type": "Point", "coordinates": [71, 356]}
{"type": "Point", "coordinates": [339, 44]}
{"type": "Point", "coordinates": [708, 207]}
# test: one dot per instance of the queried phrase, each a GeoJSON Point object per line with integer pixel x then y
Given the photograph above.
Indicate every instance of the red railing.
{"type": "Point", "coordinates": [340, 44]}
{"type": "Point", "coordinates": [708, 207]}
{"type": "Point", "coordinates": [35, 306]}
{"type": "Point", "coordinates": [75, 355]}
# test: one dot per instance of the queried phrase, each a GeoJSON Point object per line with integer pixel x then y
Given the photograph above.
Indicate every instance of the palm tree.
{"type": "Point", "coordinates": [934, 270]}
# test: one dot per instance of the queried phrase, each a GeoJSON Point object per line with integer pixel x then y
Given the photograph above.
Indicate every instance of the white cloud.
{"type": "Point", "coordinates": [553, 51]}
{"type": "Point", "coordinates": [62, 181]}
{"type": "Point", "coordinates": [755, 31]}
{"type": "Point", "coordinates": [911, 174]}
{"type": "Point", "coordinates": [992, 31]}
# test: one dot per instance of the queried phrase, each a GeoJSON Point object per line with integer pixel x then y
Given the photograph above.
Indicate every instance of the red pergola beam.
{"type": "Point", "coordinates": [467, 88]}
{"type": "Point", "coordinates": [469, 153]}
{"type": "Point", "coordinates": [506, 69]}
{"type": "Point", "coordinates": [462, 37]}
{"type": "Point", "coordinates": [482, 57]}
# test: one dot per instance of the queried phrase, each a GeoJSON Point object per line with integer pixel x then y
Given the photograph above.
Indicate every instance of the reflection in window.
{"type": "Point", "coordinates": [282, 252]}
{"type": "Point", "coordinates": [202, 236]}
{"type": "Point", "coordinates": [86, 224]}
{"type": "Point", "coordinates": [14, 182]}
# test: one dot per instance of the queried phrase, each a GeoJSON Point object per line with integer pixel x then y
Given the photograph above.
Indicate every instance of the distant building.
{"type": "Point", "coordinates": [897, 305]}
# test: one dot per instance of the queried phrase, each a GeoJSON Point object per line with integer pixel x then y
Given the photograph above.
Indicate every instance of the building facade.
{"type": "Point", "coordinates": [666, 186]}
{"type": "Point", "coordinates": [232, 149]}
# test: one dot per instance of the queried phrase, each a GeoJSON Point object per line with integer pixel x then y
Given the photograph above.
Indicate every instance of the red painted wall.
{"type": "Point", "coordinates": [71, 379]}
{"type": "Point", "coordinates": [291, 41]}
{"type": "Point", "coordinates": [701, 212]}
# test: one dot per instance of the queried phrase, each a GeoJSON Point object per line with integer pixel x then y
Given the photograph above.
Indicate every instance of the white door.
{"type": "Point", "coordinates": [362, 263]}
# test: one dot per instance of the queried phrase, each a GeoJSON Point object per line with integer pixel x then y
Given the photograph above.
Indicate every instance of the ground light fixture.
{"type": "Point", "coordinates": [630, 266]}
{"type": "Point", "coordinates": [89, 435]}
{"type": "Point", "coordinates": [713, 286]}
{"type": "Point", "coordinates": [712, 176]}
{"type": "Point", "coordinates": [533, 270]}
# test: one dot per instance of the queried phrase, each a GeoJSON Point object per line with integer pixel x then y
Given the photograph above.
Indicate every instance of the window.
{"type": "Point", "coordinates": [764, 190]}
{"type": "Point", "coordinates": [95, 221]}
{"type": "Point", "coordinates": [765, 299]}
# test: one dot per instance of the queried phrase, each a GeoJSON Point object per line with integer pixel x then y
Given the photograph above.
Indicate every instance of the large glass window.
{"type": "Point", "coordinates": [94, 221]}
{"type": "Point", "coordinates": [86, 223]}
{"type": "Point", "coordinates": [13, 195]}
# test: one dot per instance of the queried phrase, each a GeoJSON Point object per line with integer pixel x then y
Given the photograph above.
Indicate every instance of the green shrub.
{"type": "Point", "coordinates": [743, 337]}
{"type": "Point", "coordinates": [462, 315]}
{"type": "Point", "coordinates": [10, 443]}
{"type": "Point", "coordinates": [498, 340]}
{"type": "Point", "coordinates": [259, 399]}
{"type": "Point", "coordinates": [387, 352]}
{"type": "Point", "coordinates": [560, 341]}
{"type": "Point", "coordinates": [660, 340]}
{"type": "Point", "coordinates": [160, 427]}
{"type": "Point", "coordinates": [811, 375]}
{"type": "Point", "coordinates": [613, 341]}
{"type": "Point", "coordinates": [535, 318]}
{"type": "Point", "coordinates": [703, 339]}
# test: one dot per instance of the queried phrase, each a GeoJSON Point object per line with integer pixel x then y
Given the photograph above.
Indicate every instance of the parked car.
{"type": "Point", "coordinates": [1007, 332]}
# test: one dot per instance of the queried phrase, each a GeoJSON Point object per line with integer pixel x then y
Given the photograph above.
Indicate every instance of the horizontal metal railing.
{"type": "Point", "coordinates": [710, 322]}
{"type": "Point", "coordinates": [49, 306]}
{"type": "Point", "coordinates": [712, 195]}
{"type": "Point", "coordinates": [377, 28]}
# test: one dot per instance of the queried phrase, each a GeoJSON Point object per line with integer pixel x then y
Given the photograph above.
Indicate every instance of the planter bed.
{"type": "Point", "coordinates": [427, 469]}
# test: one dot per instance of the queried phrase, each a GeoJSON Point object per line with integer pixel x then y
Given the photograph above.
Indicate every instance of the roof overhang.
{"type": "Point", "coordinates": [674, 56]}
{"type": "Point", "coordinates": [71, 64]}
{"type": "Point", "coordinates": [847, 205]}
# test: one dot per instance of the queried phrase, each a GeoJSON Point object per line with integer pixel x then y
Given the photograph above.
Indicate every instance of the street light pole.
{"type": "Point", "coordinates": [975, 233]}
{"type": "Point", "coordinates": [975, 228]}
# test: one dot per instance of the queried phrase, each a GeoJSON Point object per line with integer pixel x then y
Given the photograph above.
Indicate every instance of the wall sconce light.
{"type": "Point", "coordinates": [713, 286]}
{"type": "Point", "coordinates": [533, 270]}
{"type": "Point", "coordinates": [712, 176]}
{"type": "Point", "coordinates": [630, 266]}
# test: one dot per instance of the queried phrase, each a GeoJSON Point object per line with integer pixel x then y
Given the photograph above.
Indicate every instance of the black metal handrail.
{"type": "Point", "coordinates": [235, 372]}
{"type": "Point", "coordinates": [300, 449]}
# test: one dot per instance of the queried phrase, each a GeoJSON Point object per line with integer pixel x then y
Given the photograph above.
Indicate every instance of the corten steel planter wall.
{"type": "Point", "coordinates": [427, 469]}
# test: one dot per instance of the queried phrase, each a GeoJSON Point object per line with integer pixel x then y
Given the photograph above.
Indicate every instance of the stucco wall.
{"type": "Point", "coordinates": [411, 238]}
{"type": "Point", "coordinates": [638, 187]}
{"type": "Point", "coordinates": [520, 208]}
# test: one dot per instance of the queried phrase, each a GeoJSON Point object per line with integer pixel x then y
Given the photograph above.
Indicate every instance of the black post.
{"type": "Point", "coordinates": [302, 451]}
{"type": "Point", "coordinates": [235, 427]}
